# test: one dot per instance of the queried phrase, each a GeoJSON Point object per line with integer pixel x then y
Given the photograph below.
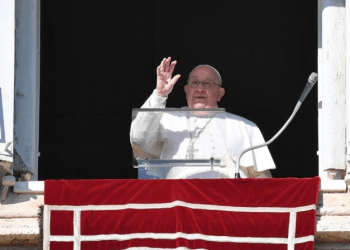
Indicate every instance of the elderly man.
{"type": "Point", "coordinates": [203, 91]}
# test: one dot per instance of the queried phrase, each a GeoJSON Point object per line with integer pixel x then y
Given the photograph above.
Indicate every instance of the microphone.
{"type": "Point", "coordinates": [310, 83]}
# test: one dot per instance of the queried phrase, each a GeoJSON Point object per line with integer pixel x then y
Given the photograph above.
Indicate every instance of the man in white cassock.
{"type": "Point", "coordinates": [195, 137]}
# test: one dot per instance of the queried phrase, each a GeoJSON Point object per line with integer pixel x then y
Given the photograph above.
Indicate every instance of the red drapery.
{"type": "Point", "coordinates": [180, 214]}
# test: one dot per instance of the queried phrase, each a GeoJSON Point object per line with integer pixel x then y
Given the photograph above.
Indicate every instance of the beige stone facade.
{"type": "Point", "coordinates": [333, 221]}
{"type": "Point", "coordinates": [20, 221]}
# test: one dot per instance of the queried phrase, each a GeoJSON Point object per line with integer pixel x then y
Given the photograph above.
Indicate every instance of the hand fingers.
{"type": "Point", "coordinates": [160, 68]}
{"type": "Point", "coordinates": [165, 66]}
{"type": "Point", "coordinates": [162, 64]}
{"type": "Point", "coordinates": [169, 87]}
{"type": "Point", "coordinates": [174, 80]}
{"type": "Point", "coordinates": [167, 62]}
{"type": "Point", "coordinates": [172, 66]}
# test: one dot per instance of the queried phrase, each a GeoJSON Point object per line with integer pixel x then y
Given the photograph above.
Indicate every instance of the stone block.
{"type": "Point", "coordinates": [8, 180]}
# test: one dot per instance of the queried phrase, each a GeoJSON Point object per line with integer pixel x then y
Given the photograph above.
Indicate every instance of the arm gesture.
{"type": "Point", "coordinates": [165, 81]}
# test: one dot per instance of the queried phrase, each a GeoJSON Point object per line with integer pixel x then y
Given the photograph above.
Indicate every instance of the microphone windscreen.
{"type": "Point", "coordinates": [313, 78]}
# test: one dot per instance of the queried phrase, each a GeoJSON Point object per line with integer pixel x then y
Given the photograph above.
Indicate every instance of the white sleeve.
{"type": "Point", "coordinates": [155, 101]}
{"type": "Point", "coordinates": [262, 157]}
{"type": "Point", "coordinates": [145, 127]}
{"type": "Point", "coordinates": [242, 134]}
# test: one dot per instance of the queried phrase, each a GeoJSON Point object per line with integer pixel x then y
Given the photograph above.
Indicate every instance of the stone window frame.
{"type": "Point", "coordinates": [28, 43]}
{"type": "Point", "coordinates": [20, 97]}
{"type": "Point", "coordinates": [333, 108]}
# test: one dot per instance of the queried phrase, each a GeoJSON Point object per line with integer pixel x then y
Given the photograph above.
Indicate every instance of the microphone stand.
{"type": "Point", "coordinates": [312, 80]}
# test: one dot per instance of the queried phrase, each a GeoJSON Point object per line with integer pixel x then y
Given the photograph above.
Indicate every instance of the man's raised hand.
{"type": "Point", "coordinates": [165, 82]}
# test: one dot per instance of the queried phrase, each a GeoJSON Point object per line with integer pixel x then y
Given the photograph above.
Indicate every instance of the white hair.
{"type": "Point", "coordinates": [217, 72]}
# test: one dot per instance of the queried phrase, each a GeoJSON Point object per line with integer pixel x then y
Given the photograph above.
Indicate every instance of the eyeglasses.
{"type": "Point", "coordinates": [206, 84]}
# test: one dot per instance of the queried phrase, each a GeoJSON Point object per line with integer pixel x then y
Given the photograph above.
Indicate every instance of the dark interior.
{"type": "Point", "coordinates": [98, 62]}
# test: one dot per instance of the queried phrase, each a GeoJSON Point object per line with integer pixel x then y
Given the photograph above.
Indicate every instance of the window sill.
{"type": "Point", "coordinates": [333, 186]}
{"type": "Point", "coordinates": [29, 187]}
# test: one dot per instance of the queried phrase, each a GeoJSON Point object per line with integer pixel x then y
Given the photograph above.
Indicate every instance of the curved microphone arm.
{"type": "Point", "coordinates": [310, 83]}
{"type": "Point", "coordinates": [270, 141]}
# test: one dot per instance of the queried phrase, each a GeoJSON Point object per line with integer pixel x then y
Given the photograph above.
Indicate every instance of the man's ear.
{"type": "Point", "coordinates": [186, 89]}
{"type": "Point", "coordinates": [221, 93]}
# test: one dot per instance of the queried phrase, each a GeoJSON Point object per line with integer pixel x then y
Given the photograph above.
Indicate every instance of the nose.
{"type": "Point", "coordinates": [200, 87]}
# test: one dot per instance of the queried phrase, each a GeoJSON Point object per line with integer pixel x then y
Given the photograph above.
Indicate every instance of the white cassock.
{"type": "Point", "coordinates": [171, 136]}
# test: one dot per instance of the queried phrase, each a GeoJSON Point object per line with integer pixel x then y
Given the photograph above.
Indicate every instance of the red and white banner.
{"type": "Point", "coordinates": [180, 214]}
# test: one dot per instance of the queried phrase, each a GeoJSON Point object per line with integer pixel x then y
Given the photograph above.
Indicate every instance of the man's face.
{"type": "Point", "coordinates": [200, 97]}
